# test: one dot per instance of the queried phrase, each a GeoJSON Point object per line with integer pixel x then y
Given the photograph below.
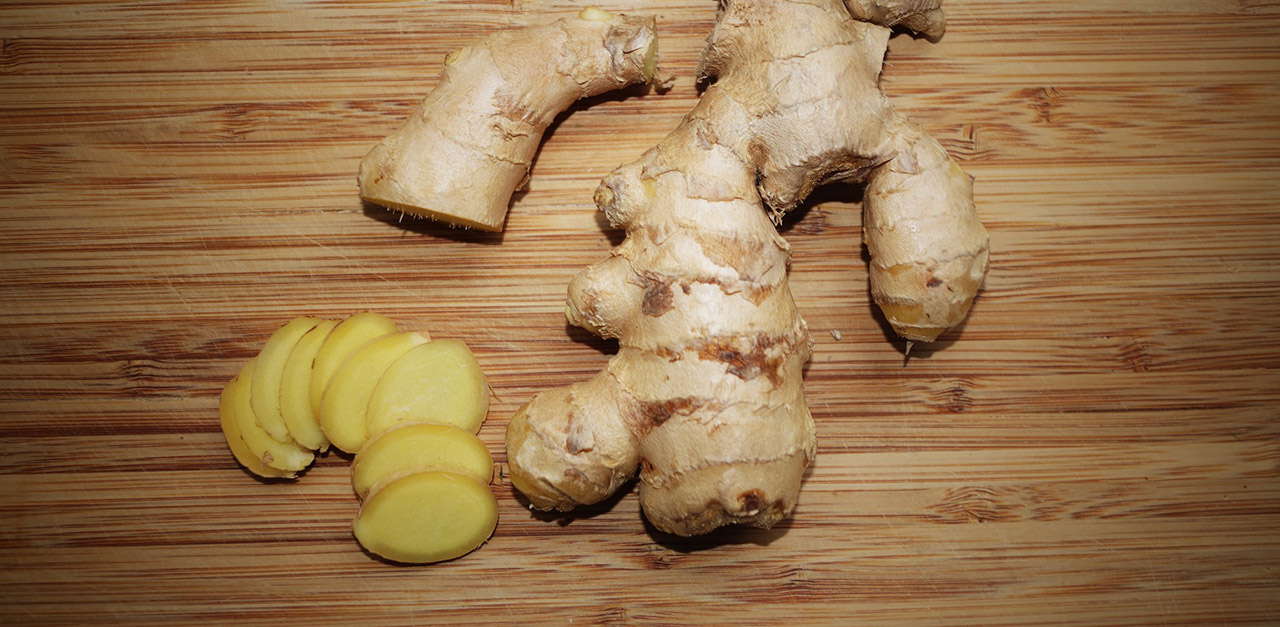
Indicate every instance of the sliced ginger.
{"type": "Point", "coordinates": [353, 333]}
{"type": "Point", "coordinates": [295, 389]}
{"type": "Point", "coordinates": [417, 447]}
{"type": "Point", "coordinates": [284, 456]}
{"type": "Point", "coordinates": [265, 393]}
{"type": "Point", "coordinates": [228, 405]}
{"type": "Point", "coordinates": [439, 382]}
{"type": "Point", "coordinates": [426, 517]}
{"type": "Point", "coordinates": [344, 407]}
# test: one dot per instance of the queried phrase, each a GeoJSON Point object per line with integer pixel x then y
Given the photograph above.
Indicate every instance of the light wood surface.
{"type": "Point", "coordinates": [1099, 444]}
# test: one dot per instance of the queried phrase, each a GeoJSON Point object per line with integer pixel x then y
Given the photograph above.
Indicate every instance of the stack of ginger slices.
{"type": "Point", "coordinates": [407, 406]}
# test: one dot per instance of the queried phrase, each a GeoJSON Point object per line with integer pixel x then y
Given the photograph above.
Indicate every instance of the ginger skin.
{"type": "Point", "coordinates": [704, 397]}
{"type": "Point", "coordinates": [471, 142]}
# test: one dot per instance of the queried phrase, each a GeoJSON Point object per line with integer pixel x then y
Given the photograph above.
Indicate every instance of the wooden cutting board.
{"type": "Point", "coordinates": [1100, 443]}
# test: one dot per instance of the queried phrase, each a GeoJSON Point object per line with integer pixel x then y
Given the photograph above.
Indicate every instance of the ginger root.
{"type": "Point", "coordinates": [470, 144]}
{"type": "Point", "coordinates": [704, 397]}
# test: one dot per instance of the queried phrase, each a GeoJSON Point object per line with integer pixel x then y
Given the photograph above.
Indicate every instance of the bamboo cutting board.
{"type": "Point", "coordinates": [1099, 444]}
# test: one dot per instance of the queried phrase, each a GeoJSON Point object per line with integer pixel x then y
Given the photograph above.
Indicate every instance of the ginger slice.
{"type": "Point", "coordinates": [286, 456]}
{"type": "Point", "coordinates": [439, 382]}
{"type": "Point", "coordinates": [265, 393]}
{"type": "Point", "coordinates": [416, 447]}
{"type": "Point", "coordinates": [345, 403]}
{"type": "Point", "coordinates": [426, 517]}
{"type": "Point", "coordinates": [227, 409]}
{"type": "Point", "coordinates": [295, 389]}
{"type": "Point", "coordinates": [353, 333]}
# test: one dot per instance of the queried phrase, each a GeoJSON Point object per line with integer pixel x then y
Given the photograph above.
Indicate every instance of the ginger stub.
{"type": "Point", "coordinates": [471, 142]}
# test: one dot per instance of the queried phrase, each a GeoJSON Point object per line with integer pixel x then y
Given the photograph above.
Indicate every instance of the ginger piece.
{"type": "Point", "coordinates": [344, 407]}
{"type": "Point", "coordinates": [919, 16]}
{"type": "Point", "coordinates": [418, 447]}
{"type": "Point", "coordinates": [439, 382]}
{"type": "Point", "coordinates": [295, 389]}
{"type": "Point", "coordinates": [351, 334]}
{"type": "Point", "coordinates": [471, 142]}
{"type": "Point", "coordinates": [228, 409]}
{"type": "Point", "coordinates": [265, 393]}
{"type": "Point", "coordinates": [704, 396]}
{"type": "Point", "coordinates": [928, 249]}
{"type": "Point", "coordinates": [288, 457]}
{"type": "Point", "coordinates": [426, 517]}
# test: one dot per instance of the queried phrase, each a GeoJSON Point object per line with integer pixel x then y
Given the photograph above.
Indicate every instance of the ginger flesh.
{"type": "Point", "coordinates": [266, 451]}
{"type": "Point", "coordinates": [426, 517]}
{"type": "Point", "coordinates": [471, 142]}
{"type": "Point", "coordinates": [704, 397]}
{"type": "Point", "coordinates": [348, 336]}
{"type": "Point", "coordinates": [265, 394]}
{"type": "Point", "coordinates": [345, 405]}
{"type": "Point", "coordinates": [438, 382]}
{"type": "Point", "coordinates": [228, 413]}
{"type": "Point", "coordinates": [295, 389]}
{"type": "Point", "coordinates": [426, 485]}
{"type": "Point", "coordinates": [418, 447]}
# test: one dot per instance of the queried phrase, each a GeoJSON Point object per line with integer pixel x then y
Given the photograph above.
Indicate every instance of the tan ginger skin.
{"type": "Point", "coordinates": [470, 143]}
{"type": "Point", "coordinates": [704, 397]}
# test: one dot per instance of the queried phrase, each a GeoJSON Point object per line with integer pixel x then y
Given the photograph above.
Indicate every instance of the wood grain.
{"type": "Point", "coordinates": [1100, 443]}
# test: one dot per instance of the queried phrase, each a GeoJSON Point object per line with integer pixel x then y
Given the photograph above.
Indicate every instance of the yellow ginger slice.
{"type": "Point", "coordinates": [265, 393]}
{"type": "Point", "coordinates": [426, 517]}
{"type": "Point", "coordinates": [286, 456]}
{"type": "Point", "coordinates": [295, 389]}
{"type": "Point", "coordinates": [416, 447]}
{"type": "Point", "coordinates": [345, 403]}
{"type": "Point", "coordinates": [227, 410]}
{"type": "Point", "coordinates": [353, 333]}
{"type": "Point", "coordinates": [439, 382]}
